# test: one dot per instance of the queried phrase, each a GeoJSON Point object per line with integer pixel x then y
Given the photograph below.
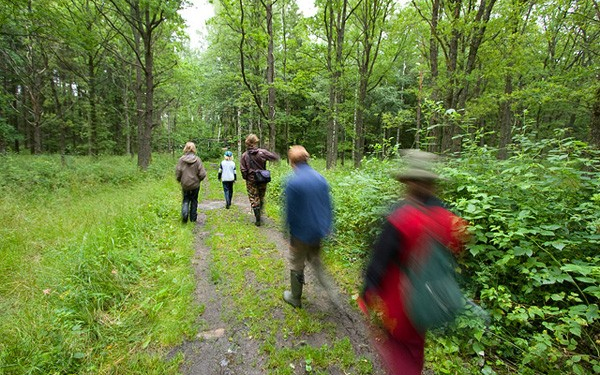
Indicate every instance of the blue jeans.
{"type": "Point", "coordinates": [189, 207]}
{"type": "Point", "coordinates": [228, 191]}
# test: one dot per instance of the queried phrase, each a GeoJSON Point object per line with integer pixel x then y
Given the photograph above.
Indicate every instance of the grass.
{"type": "Point", "coordinates": [95, 273]}
{"type": "Point", "coordinates": [250, 271]}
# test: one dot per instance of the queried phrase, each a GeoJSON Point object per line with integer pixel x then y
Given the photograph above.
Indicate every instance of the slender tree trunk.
{"type": "Point", "coordinates": [127, 119]}
{"type": "Point", "coordinates": [139, 105]}
{"type": "Point", "coordinates": [93, 138]}
{"type": "Point", "coordinates": [359, 140]}
{"type": "Point", "coordinates": [145, 142]}
{"type": "Point", "coordinates": [239, 132]}
{"type": "Point", "coordinates": [335, 23]}
{"type": "Point", "coordinates": [271, 76]}
{"type": "Point", "coordinates": [506, 118]}
{"type": "Point", "coordinates": [419, 99]}
{"type": "Point", "coordinates": [61, 117]}
{"type": "Point", "coordinates": [433, 65]}
{"type": "Point", "coordinates": [595, 118]}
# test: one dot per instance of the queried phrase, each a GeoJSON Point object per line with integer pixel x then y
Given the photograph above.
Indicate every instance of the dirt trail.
{"type": "Point", "coordinates": [223, 347]}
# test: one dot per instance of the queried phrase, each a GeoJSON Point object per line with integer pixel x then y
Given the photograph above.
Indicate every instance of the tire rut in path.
{"type": "Point", "coordinates": [224, 347]}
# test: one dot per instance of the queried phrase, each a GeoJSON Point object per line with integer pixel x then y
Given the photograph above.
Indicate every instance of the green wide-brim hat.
{"type": "Point", "coordinates": [417, 166]}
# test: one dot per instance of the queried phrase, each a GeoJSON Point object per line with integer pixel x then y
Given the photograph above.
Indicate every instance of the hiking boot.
{"type": "Point", "coordinates": [257, 216]}
{"type": "Point", "coordinates": [294, 297]}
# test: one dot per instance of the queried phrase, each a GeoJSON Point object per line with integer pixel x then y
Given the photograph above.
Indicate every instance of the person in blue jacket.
{"type": "Point", "coordinates": [309, 218]}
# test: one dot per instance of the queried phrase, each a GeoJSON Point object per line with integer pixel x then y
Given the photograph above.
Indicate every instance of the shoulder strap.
{"type": "Point", "coordinates": [253, 161]}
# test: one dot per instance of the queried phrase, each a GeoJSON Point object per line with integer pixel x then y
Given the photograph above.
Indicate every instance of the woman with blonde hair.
{"type": "Point", "coordinates": [189, 172]}
{"type": "Point", "coordinates": [227, 176]}
{"type": "Point", "coordinates": [255, 159]}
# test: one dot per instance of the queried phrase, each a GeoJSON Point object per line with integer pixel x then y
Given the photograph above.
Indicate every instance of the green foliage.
{"type": "Point", "coordinates": [533, 261]}
{"type": "Point", "coordinates": [90, 287]}
{"type": "Point", "coordinates": [534, 265]}
{"type": "Point", "coordinates": [44, 173]}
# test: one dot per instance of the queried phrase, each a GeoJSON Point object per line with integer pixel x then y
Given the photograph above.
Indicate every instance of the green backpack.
{"type": "Point", "coordinates": [433, 297]}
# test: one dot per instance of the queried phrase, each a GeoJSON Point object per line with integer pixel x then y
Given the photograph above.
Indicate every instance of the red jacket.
{"type": "Point", "coordinates": [385, 280]}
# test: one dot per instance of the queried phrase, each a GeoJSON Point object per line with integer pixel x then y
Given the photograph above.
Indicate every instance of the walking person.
{"type": "Point", "coordinates": [421, 214]}
{"type": "Point", "coordinates": [227, 176]}
{"type": "Point", "coordinates": [308, 215]}
{"type": "Point", "coordinates": [254, 159]}
{"type": "Point", "coordinates": [189, 172]}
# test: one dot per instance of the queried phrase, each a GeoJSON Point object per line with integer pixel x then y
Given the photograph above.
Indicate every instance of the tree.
{"type": "Point", "coordinates": [372, 18]}
{"type": "Point", "coordinates": [335, 16]}
{"type": "Point", "coordinates": [139, 24]}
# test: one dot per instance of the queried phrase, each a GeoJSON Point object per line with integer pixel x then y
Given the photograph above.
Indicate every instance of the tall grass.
{"type": "Point", "coordinates": [95, 273]}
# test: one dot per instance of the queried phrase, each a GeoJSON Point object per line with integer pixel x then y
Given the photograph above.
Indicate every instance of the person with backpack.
{"type": "Point", "coordinates": [392, 289]}
{"type": "Point", "coordinates": [189, 172]}
{"type": "Point", "coordinates": [227, 176]}
{"type": "Point", "coordinates": [254, 159]}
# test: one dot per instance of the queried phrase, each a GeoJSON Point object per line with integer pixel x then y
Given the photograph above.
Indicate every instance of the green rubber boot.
{"type": "Point", "coordinates": [294, 297]}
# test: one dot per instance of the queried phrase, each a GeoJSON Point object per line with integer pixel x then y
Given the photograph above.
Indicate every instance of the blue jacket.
{"type": "Point", "coordinates": [308, 205]}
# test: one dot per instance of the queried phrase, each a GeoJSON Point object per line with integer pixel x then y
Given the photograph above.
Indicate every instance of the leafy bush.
{"type": "Point", "coordinates": [533, 264]}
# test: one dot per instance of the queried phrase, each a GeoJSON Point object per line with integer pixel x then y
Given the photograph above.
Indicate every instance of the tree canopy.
{"type": "Point", "coordinates": [358, 77]}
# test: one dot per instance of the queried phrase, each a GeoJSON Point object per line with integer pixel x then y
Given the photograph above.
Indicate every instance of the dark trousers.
{"type": "Point", "coordinates": [228, 191]}
{"type": "Point", "coordinates": [189, 207]}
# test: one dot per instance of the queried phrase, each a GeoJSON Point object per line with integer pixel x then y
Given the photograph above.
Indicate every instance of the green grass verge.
{"type": "Point", "coordinates": [95, 277]}
{"type": "Point", "coordinates": [249, 270]}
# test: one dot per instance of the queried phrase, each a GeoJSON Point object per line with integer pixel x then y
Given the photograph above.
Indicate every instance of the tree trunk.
{"type": "Point", "coordinates": [61, 117]}
{"type": "Point", "coordinates": [335, 23]}
{"type": "Point", "coordinates": [145, 142]}
{"type": "Point", "coordinates": [239, 131]}
{"type": "Point", "coordinates": [506, 118]}
{"type": "Point", "coordinates": [270, 76]}
{"type": "Point", "coordinates": [359, 140]}
{"type": "Point", "coordinates": [595, 119]}
{"type": "Point", "coordinates": [419, 99]}
{"type": "Point", "coordinates": [93, 137]}
{"type": "Point", "coordinates": [436, 133]}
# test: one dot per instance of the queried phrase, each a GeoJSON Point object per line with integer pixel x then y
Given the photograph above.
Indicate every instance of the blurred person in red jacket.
{"type": "Point", "coordinates": [399, 343]}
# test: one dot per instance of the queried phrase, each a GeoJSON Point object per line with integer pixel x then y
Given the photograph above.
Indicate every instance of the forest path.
{"type": "Point", "coordinates": [226, 346]}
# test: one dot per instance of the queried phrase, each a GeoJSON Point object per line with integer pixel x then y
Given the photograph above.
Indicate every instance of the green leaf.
{"type": "Point", "coordinates": [558, 297]}
{"type": "Point", "coordinates": [589, 280]}
{"type": "Point", "coordinates": [478, 349]}
{"type": "Point", "coordinates": [578, 268]}
{"type": "Point", "coordinates": [576, 330]}
{"type": "Point", "coordinates": [518, 251]}
{"type": "Point", "coordinates": [593, 290]}
{"type": "Point", "coordinates": [577, 369]}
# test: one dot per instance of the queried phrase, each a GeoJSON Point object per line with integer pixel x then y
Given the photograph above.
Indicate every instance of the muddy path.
{"type": "Point", "coordinates": [225, 347]}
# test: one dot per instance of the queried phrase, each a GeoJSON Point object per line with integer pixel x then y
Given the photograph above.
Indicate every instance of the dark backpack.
{"type": "Point", "coordinates": [433, 296]}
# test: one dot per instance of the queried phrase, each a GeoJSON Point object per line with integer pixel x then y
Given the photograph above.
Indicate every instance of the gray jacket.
{"type": "Point", "coordinates": [190, 171]}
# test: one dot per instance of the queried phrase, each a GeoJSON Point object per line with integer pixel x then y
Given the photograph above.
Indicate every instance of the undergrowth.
{"type": "Point", "coordinates": [95, 275]}
{"type": "Point", "coordinates": [532, 264]}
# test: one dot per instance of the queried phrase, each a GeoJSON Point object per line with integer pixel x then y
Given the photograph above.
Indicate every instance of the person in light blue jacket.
{"type": "Point", "coordinates": [227, 176]}
{"type": "Point", "coordinates": [309, 218]}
